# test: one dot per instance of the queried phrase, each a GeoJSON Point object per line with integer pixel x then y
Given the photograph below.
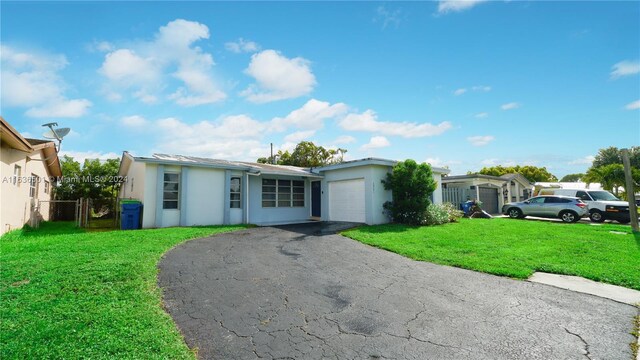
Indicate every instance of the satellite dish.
{"type": "Point", "coordinates": [57, 134]}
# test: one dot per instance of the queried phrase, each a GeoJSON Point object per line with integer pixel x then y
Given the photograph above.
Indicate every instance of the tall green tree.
{"type": "Point", "coordinates": [307, 154]}
{"type": "Point", "coordinates": [411, 185]}
{"type": "Point", "coordinates": [572, 177]}
{"type": "Point", "coordinates": [532, 173]}
{"type": "Point", "coordinates": [607, 168]}
{"type": "Point", "coordinates": [95, 179]}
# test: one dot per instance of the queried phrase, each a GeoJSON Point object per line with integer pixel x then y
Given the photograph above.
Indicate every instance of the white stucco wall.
{"type": "Point", "coordinates": [134, 187]}
{"type": "Point", "coordinates": [375, 195]}
{"type": "Point", "coordinates": [204, 203]}
{"type": "Point", "coordinates": [437, 193]}
{"type": "Point", "coordinates": [149, 196]}
{"type": "Point", "coordinates": [14, 199]}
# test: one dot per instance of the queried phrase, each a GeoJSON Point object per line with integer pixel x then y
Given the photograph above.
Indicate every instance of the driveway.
{"type": "Point", "coordinates": [303, 292]}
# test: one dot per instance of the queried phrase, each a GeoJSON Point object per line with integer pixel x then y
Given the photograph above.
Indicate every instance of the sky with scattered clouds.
{"type": "Point", "coordinates": [462, 84]}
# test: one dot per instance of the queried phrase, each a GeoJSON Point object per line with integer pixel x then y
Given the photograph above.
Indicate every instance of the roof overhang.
{"type": "Point", "coordinates": [12, 137]}
{"type": "Point", "coordinates": [372, 161]}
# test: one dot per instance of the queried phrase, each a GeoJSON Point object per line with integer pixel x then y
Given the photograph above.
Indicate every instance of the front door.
{"type": "Point", "coordinates": [316, 194]}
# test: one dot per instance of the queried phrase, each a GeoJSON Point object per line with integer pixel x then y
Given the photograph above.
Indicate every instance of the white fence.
{"type": "Point", "coordinates": [456, 196]}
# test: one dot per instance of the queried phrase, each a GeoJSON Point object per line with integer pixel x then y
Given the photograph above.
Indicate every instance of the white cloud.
{"type": "Point", "coordinates": [278, 77]}
{"type": "Point", "coordinates": [434, 162]}
{"type": "Point", "coordinates": [134, 121]}
{"type": "Point", "coordinates": [61, 109]}
{"type": "Point", "coordinates": [144, 67]}
{"type": "Point", "coordinates": [587, 160]}
{"type": "Point", "coordinates": [344, 139]}
{"type": "Point", "coordinates": [481, 115]}
{"type": "Point", "coordinates": [481, 88]}
{"type": "Point", "coordinates": [32, 81]}
{"type": "Point", "coordinates": [310, 116]}
{"type": "Point", "coordinates": [459, 92]}
{"type": "Point", "coordinates": [480, 140]}
{"type": "Point", "coordinates": [368, 121]}
{"type": "Point", "coordinates": [625, 68]}
{"type": "Point", "coordinates": [234, 137]}
{"type": "Point", "coordinates": [446, 6]}
{"type": "Point", "coordinates": [81, 156]}
{"type": "Point", "coordinates": [510, 106]}
{"type": "Point", "coordinates": [376, 142]}
{"type": "Point", "coordinates": [635, 105]}
{"type": "Point", "coordinates": [387, 17]}
{"type": "Point", "coordinates": [298, 136]}
{"type": "Point", "coordinates": [489, 162]}
{"type": "Point", "coordinates": [241, 45]}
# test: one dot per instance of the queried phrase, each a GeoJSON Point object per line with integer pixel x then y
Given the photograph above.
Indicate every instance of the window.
{"type": "Point", "coordinates": [536, 200]}
{"type": "Point", "coordinates": [17, 173]}
{"type": "Point", "coordinates": [171, 191]}
{"type": "Point", "coordinates": [235, 193]}
{"type": "Point", "coordinates": [582, 195]}
{"type": "Point", "coordinates": [33, 186]}
{"type": "Point", "coordinates": [46, 187]}
{"type": "Point", "coordinates": [282, 193]}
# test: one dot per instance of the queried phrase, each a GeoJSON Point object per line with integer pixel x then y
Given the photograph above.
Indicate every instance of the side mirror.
{"type": "Point", "coordinates": [527, 202]}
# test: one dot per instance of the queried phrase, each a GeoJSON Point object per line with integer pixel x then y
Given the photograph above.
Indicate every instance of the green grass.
{"type": "Point", "coordinates": [517, 248]}
{"type": "Point", "coordinates": [69, 294]}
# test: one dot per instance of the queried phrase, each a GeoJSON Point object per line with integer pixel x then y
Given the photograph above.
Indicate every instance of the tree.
{"type": "Point", "coordinates": [307, 154]}
{"type": "Point", "coordinates": [607, 168]}
{"type": "Point", "coordinates": [532, 173]}
{"type": "Point", "coordinates": [411, 186]}
{"type": "Point", "coordinates": [572, 177]}
{"type": "Point", "coordinates": [95, 179]}
{"type": "Point", "coordinates": [613, 155]}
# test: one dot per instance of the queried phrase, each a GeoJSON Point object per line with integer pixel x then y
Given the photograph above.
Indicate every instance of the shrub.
{"type": "Point", "coordinates": [411, 186]}
{"type": "Point", "coordinates": [435, 215]}
{"type": "Point", "coordinates": [453, 212]}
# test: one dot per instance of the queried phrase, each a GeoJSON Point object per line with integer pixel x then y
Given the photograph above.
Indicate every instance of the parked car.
{"type": "Point", "coordinates": [568, 209]}
{"type": "Point", "coordinates": [603, 205]}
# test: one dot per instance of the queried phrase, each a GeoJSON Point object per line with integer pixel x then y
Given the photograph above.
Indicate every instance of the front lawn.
{"type": "Point", "coordinates": [517, 248]}
{"type": "Point", "coordinates": [68, 294]}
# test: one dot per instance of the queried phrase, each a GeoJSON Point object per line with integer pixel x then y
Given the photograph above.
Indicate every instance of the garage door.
{"type": "Point", "coordinates": [489, 198]}
{"type": "Point", "coordinates": [346, 200]}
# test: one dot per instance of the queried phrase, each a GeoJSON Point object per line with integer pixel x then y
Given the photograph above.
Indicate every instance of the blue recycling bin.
{"type": "Point", "coordinates": [130, 216]}
{"type": "Point", "coordinates": [466, 207]}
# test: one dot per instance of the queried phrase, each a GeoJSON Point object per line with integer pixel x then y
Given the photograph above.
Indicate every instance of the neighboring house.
{"type": "Point", "coordinates": [492, 191]}
{"type": "Point", "coordinates": [29, 170]}
{"type": "Point", "coordinates": [184, 191]}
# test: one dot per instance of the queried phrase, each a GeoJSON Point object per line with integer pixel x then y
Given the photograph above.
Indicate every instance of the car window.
{"type": "Point", "coordinates": [536, 200]}
{"type": "Point", "coordinates": [582, 195]}
{"type": "Point", "coordinates": [603, 196]}
{"type": "Point", "coordinates": [551, 200]}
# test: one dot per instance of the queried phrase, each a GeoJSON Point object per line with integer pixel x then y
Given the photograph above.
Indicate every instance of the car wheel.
{"type": "Point", "coordinates": [596, 216]}
{"type": "Point", "coordinates": [569, 216]}
{"type": "Point", "coordinates": [515, 213]}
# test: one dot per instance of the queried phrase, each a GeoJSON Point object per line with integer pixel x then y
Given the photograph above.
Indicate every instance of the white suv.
{"type": "Point", "coordinates": [602, 204]}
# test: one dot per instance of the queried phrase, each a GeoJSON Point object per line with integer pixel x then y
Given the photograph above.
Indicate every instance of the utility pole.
{"type": "Point", "coordinates": [631, 194]}
{"type": "Point", "coordinates": [271, 158]}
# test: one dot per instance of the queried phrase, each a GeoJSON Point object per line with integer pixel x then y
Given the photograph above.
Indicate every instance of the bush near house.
{"type": "Point", "coordinates": [411, 186]}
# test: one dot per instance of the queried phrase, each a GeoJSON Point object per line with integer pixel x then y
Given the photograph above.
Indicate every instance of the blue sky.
{"type": "Point", "coordinates": [458, 84]}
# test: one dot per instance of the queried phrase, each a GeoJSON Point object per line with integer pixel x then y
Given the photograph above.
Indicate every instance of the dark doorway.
{"type": "Point", "coordinates": [316, 194]}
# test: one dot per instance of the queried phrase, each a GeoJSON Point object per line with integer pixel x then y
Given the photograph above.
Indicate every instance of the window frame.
{"type": "Point", "coordinates": [165, 191]}
{"type": "Point", "coordinates": [33, 186]}
{"type": "Point", "coordinates": [284, 193]}
{"type": "Point", "coordinates": [47, 186]}
{"type": "Point", "coordinates": [232, 192]}
{"type": "Point", "coordinates": [17, 174]}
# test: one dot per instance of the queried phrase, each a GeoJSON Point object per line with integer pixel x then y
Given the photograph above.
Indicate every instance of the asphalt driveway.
{"type": "Point", "coordinates": [303, 292]}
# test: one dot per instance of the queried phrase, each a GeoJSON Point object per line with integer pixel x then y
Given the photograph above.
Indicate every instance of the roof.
{"type": "Point", "coordinates": [251, 167]}
{"type": "Point", "coordinates": [503, 178]}
{"type": "Point", "coordinates": [12, 137]}
{"type": "Point", "coordinates": [371, 161]}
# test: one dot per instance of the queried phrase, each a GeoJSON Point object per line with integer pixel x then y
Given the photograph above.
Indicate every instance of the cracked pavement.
{"type": "Point", "coordinates": [303, 292]}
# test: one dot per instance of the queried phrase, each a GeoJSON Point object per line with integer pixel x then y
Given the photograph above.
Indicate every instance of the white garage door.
{"type": "Point", "coordinates": [346, 201]}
